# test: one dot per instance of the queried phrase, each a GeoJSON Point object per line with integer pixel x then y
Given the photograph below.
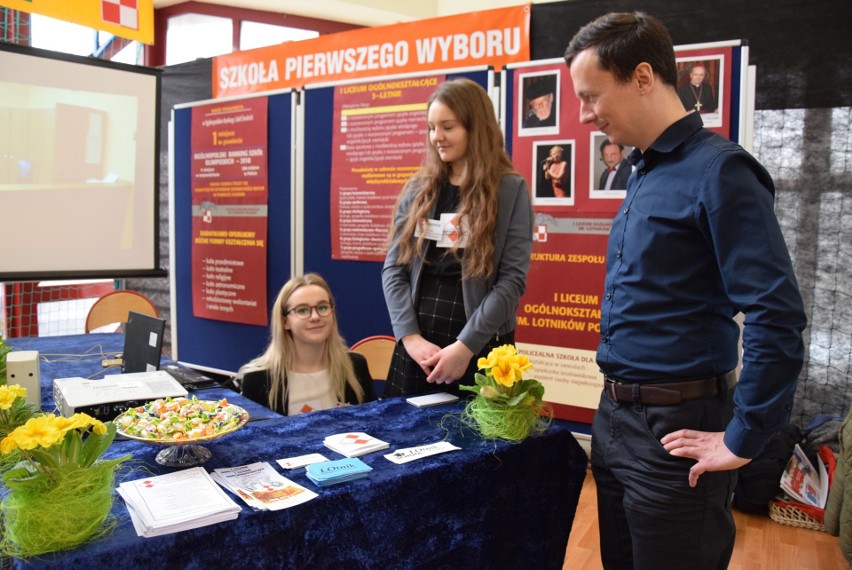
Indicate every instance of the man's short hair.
{"type": "Point", "coordinates": [607, 142]}
{"type": "Point", "coordinates": [624, 40]}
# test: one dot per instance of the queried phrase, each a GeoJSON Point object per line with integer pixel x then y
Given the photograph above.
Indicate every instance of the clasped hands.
{"type": "Point", "coordinates": [441, 365]}
{"type": "Point", "coordinates": [707, 448]}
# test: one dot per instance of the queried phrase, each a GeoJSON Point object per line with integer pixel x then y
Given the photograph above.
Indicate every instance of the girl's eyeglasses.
{"type": "Point", "coordinates": [304, 311]}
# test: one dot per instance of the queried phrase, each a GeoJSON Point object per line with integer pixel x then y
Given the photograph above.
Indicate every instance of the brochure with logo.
{"type": "Point", "coordinates": [803, 482]}
{"type": "Point", "coordinates": [354, 444]}
{"type": "Point", "coordinates": [340, 471]}
{"type": "Point", "coordinates": [262, 487]}
{"type": "Point", "coordinates": [407, 454]}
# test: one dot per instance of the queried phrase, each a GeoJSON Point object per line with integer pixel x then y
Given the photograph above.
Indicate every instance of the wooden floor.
{"type": "Point", "coordinates": [761, 544]}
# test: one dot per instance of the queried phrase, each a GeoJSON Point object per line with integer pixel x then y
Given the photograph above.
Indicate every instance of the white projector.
{"type": "Point", "coordinates": [107, 398]}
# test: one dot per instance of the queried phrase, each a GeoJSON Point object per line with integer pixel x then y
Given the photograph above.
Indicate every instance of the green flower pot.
{"type": "Point", "coordinates": [494, 419]}
{"type": "Point", "coordinates": [41, 516]}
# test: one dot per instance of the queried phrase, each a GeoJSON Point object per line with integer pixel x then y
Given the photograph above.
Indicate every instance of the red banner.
{"type": "Point", "coordinates": [229, 211]}
{"type": "Point", "coordinates": [379, 139]}
{"type": "Point", "coordinates": [559, 315]}
{"type": "Point", "coordinates": [490, 37]}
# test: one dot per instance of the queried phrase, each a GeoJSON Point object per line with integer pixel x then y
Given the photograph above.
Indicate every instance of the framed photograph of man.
{"type": "Point", "coordinates": [608, 168]}
{"type": "Point", "coordinates": [538, 103]}
{"type": "Point", "coordinates": [700, 83]}
{"type": "Point", "coordinates": [553, 173]}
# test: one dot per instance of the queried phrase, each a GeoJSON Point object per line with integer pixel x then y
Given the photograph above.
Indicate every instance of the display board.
{"type": "Point", "coordinates": [362, 141]}
{"type": "Point", "coordinates": [218, 342]}
{"type": "Point", "coordinates": [578, 180]}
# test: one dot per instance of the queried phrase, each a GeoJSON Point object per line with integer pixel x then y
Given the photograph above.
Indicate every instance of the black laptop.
{"type": "Point", "coordinates": [143, 343]}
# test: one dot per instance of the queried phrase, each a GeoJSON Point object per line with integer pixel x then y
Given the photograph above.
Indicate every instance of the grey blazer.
{"type": "Point", "coordinates": [490, 304]}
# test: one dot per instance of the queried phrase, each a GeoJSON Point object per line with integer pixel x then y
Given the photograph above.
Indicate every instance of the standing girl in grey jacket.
{"type": "Point", "coordinates": [459, 249]}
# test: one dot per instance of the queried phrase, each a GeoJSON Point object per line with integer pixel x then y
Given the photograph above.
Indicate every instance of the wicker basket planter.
{"type": "Point", "coordinates": [789, 514]}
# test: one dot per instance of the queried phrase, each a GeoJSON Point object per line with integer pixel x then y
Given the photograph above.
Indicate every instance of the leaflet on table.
{"type": "Point", "coordinates": [340, 471]}
{"type": "Point", "coordinates": [429, 400]}
{"type": "Point", "coordinates": [176, 501]}
{"type": "Point", "coordinates": [354, 444]}
{"type": "Point", "coordinates": [804, 483]}
{"type": "Point", "coordinates": [407, 454]}
{"type": "Point", "coordinates": [301, 460]}
{"type": "Point", "coordinates": [262, 487]}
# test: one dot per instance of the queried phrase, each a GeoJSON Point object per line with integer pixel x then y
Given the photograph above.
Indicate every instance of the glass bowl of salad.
{"type": "Point", "coordinates": [181, 424]}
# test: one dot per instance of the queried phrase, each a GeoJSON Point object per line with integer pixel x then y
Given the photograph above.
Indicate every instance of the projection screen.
{"type": "Point", "coordinates": [79, 167]}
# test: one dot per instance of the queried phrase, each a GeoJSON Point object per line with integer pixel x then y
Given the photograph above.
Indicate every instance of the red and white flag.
{"type": "Point", "coordinates": [125, 13]}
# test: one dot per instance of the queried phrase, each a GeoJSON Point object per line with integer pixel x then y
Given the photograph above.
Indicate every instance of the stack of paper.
{"type": "Point", "coordinates": [333, 472]}
{"type": "Point", "coordinates": [804, 483]}
{"type": "Point", "coordinates": [261, 487]}
{"type": "Point", "coordinates": [354, 444]}
{"type": "Point", "coordinates": [175, 502]}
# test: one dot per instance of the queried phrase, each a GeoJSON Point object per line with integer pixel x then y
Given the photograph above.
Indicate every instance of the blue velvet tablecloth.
{"type": "Point", "coordinates": [490, 505]}
{"type": "Point", "coordinates": [82, 355]}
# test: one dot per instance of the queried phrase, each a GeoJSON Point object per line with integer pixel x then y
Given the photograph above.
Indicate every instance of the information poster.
{"type": "Point", "coordinates": [229, 211]}
{"type": "Point", "coordinates": [559, 314]}
{"type": "Point", "coordinates": [578, 180]}
{"type": "Point", "coordinates": [378, 140]}
{"type": "Point", "coordinates": [558, 320]}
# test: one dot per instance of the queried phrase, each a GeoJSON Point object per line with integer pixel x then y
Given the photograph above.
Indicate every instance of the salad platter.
{"type": "Point", "coordinates": [181, 424]}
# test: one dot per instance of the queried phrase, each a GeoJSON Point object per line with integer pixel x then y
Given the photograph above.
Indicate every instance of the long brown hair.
{"type": "Point", "coordinates": [487, 163]}
{"type": "Point", "coordinates": [280, 354]}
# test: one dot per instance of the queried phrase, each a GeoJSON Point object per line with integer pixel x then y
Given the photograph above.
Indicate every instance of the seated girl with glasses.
{"type": "Point", "coordinates": [307, 365]}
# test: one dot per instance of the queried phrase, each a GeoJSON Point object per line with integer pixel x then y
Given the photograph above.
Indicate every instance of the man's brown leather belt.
{"type": "Point", "coordinates": [668, 393]}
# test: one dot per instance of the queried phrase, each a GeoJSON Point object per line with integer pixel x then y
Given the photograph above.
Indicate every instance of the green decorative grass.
{"type": "Point", "coordinates": [67, 513]}
{"type": "Point", "coordinates": [4, 350]}
{"type": "Point", "coordinates": [496, 420]}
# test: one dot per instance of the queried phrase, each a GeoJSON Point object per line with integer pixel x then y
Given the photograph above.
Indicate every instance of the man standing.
{"type": "Point", "coordinates": [617, 171]}
{"type": "Point", "coordinates": [696, 94]}
{"type": "Point", "coordinates": [694, 242]}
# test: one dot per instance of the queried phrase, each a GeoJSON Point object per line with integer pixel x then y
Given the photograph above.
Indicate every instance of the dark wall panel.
{"type": "Point", "coordinates": [801, 49]}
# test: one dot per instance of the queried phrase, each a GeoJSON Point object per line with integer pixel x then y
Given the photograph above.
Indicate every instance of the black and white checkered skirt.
{"type": "Point", "coordinates": [441, 316]}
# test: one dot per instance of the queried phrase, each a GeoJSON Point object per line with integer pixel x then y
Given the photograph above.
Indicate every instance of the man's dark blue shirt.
{"type": "Point", "coordinates": [695, 242]}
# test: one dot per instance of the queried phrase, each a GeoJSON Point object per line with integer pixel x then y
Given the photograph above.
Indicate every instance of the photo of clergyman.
{"type": "Point", "coordinates": [538, 103]}
{"type": "Point", "coordinates": [700, 85]}
{"type": "Point", "coordinates": [608, 167]}
{"type": "Point", "coordinates": [553, 173]}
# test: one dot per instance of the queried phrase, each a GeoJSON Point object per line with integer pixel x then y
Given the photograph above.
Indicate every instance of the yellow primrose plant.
{"type": "Point", "coordinates": [14, 412]}
{"type": "Point", "coordinates": [507, 406]}
{"type": "Point", "coordinates": [14, 409]}
{"type": "Point", "coordinates": [61, 474]}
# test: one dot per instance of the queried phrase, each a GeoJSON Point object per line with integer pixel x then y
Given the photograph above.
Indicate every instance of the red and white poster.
{"type": "Point", "coordinates": [559, 315]}
{"type": "Point", "coordinates": [378, 143]}
{"type": "Point", "coordinates": [229, 211]}
{"type": "Point", "coordinates": [578, 180]}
